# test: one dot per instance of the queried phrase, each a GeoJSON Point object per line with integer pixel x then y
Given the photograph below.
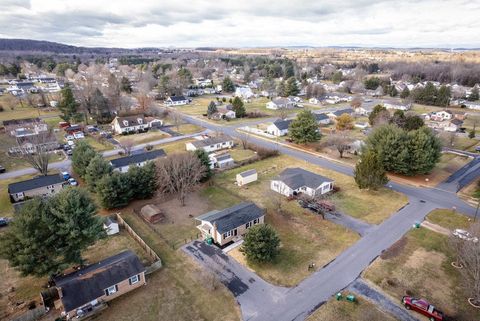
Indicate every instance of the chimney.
{"type": "Point", "coordinates": [214, 234]}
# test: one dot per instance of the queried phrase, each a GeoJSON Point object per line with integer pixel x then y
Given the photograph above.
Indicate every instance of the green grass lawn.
{"type": "Point", "coordinates": [186, 129]}
{"type": "Point", "coordinates": [239, 154]}
{"type": "Point", "coordinates": [449, 219]}
{"type": "Point", "coordinates": [420, 264]}
{"type": "Point", "coordinates": [142, 138]}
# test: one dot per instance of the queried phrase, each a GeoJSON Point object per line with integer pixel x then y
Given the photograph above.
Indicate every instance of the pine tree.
{"type": "Point", "coordinates": [227, 85]}
{"type": "Point", "coordinates": [96, 169]}
{"type": "Point", "coordinates": [239, 108]}
{"type": "Point", "coordinates": [211, 109]}
{"type": "Point", "coordinates": [474, 95]}
{"type": "Point", "coordinates": [261, 244]}
{"type": "Point", "coordinates": [375, 112]}
{"type": "Point", "coordinates": [369, 172]}
{"type": "Point", "coordinates": [205, 160]}
{"type": "Point", "coordinates": [68, 106]}
{"type": "Point", "coordinates": [82, 155]}
{"type": "Point", "coordinates": [291, 88]}
{"type": "Point", "coordinates": [304, 129]}
{"type": "Point", "coordinates": [115, 190]}
{"type": "Point", "coordinates": [424, 151]}
{"type": "Point", "coordinates": [99, 106]}
{"type": "Point", "coordinates": [405, 93]}
{"type": "Point", "coordinates": [125, 85]}
{"type": "Point", "coordinates": [143, 181]}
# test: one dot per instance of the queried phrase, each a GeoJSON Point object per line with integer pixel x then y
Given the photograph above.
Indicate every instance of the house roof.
{"type": "Point", "coordinates": [321, 116]}
{"type": "Point", "coordinates": [137, 158]}
{"type": "Point", "coordinates": [298, 177]}
{"type": "Point", "coordinates": [232, 217]}
{"type": "Point", "coordinates": [281, 101]}
{"type": "Point", "coordinates": [34, 183]}
{"type": "Point", "coordinates": [248, 173]}
{"type": "Point", "coordinates": [223, 157]}
{"type": "Point", "coordinates": [177, 98]}
{"type": "Point", "coordinates": [211, 141]}
{"type": "Point", "coordinates": [343, 111]}
{"type": "Point", "coordinates": [132, 120]}
{"type": "Point", "coordinates": [109, 221]}
{"type": "Point", "coordinates": [282, 124]}
{"type": "Point", "coordinates": [89, 283]}
{"type": "Point", "coordinates": [23, 121]}
{"type": "Point", "coordinates": [457, 122]}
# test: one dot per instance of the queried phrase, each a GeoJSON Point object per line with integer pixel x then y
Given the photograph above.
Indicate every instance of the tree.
{"type": "Point", "coordinates": [424, 150]}
{"type": "Point", "coordinates": [304, 128]}
{"type": "Point", "coordinates": [337, 77]}
{"type": "Point", "coordinates": [227, 85]}
{"type": "Point", "coordinates": [341, 142]}
{"type": "Point", "coordinates": [127, 145]}
{"type": "Point", "coordinates": [405, 93]}
{"type": "Point", "coordinates": [369, 172]}
{"type": "Point", "coordinates": [239, 108]}
{"type": "Point", "coordinates": [281, 89]}
{"type": "Point", "coordinates": [376, 112]}
{"type": "Point", "coordinates": [113, 93]}
{"type": "Point", "coordinates": [413, 121]}
{"type": "Point", "coordinates": [472, 133]}
{"type": "Point", "coordinates": [96, 170]}
{"type": "Point", "coordinates": [82, 155]}
{"type": "Point", "coordinates": [143, 180]}
{"type": "Point", "coordinates": [184, 77]}
{"type": "Point", "coordinates": [179, 174]}
{"type": "Point", "coordinates": [115, 190]}
{"type": "Point", "coordinates": [356, 103]}
{"type": "Point", "coordinates": [372, 83]}
{"type": "Point", "coordinates": [36, 150]}
{"type": "Point", "coordinates": [443, 97]}
{"type": "Point", "coordinates": [205, 161]}
{"type": "Point", "coordinates": [474, 94]}
{"type": "Point", "coordinates": [291, 88]}
{"type": "Point", "coordinates": [68, 106]}
{"type": "Point", "coordinates": [344, 122]}
{"type": "Point", "coordinates": [164, 85]}
{"type": "Point", "coordinates": [261, 244]}
{"type": "Point", "coordinates": [99, 107]}
{"type": "Point", "coordinates": [49, 235]}
{"type": "Point", "coordinates": [212, 109]}
{"type": "Point", "coordinates": [126, 85]}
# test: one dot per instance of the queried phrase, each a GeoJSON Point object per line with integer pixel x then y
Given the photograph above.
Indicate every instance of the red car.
{"type": "Point", "coordinates": [423, 307]}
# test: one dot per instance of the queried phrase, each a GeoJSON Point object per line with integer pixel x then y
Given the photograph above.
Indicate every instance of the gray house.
{"type": "Point", "coordinates": [293, 181]}
{"type": "Point", "coordinates": [123, 164]}
{"type": "Point", "coordinates": [38, 186]}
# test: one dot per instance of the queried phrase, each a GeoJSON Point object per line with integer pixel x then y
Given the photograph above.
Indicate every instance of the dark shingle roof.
{"type": "Point", "coordinates": [320, 117]}
{"type": "Point", "coordinates": [211, 141]}
{"type": "Point", "coordinates": [282, 124]}
{"type": "Point", "coordinates": [177, 98]}
{"type": "Point", "coordinates": [223, 157]}
{"type": "Point", "coordinates": [132, 120]}
{"type": "Point", "coordinates": [233, 217]}
{"type": "Point", "coordinates": [343, 111]}
{"type": "Point", "coordinates": [248, 173]}
{"type": "Point", "coordinates": [137, 158]}
{"type": "Point", "coordinates": [23, 121]}
{"type": "Point", "coordinates": [298, 177]}
{"type": "Point", "coordinates": [89, 283]}
{"type": "Point", "coordinates": [34, 183]}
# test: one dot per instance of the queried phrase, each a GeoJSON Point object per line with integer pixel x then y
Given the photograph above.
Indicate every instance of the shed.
{"type": "Point", "coordinates": [152, 214]}
{"type": "Point", "coordinates": [111, 226]}
{"type": "Point", "coordinates": [247, 177]}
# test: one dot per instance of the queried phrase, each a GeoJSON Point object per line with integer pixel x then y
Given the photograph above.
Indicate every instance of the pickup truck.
{"type": "Point", "coordinates": [423, 307]}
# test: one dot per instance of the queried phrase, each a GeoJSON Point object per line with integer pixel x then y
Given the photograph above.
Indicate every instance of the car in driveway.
{"type": "Point", "coordinates": [2, 169]}
{"type": "Point", "coordinates": [464, 235]}
{"type": "Point", "coordinates": [3, 221]}
{"type": "Point", "coordinates": [423, 307]}
{"type": "Point", "coordinates": [72, 181]}
{"type": "Point", "coordinates": [69, 152]}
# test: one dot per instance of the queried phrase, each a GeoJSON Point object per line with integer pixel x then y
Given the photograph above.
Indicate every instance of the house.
{"type": "Point", "coordinates": [221, 160]}
{"type": "Point", "coordinates": [224, 113]}
{"type": "Point", "coordinates": [85, 290]}
{"type": "Point", "coordinates": [336, 98]}
{"type": "Point", "coordinates": [453, 125]}
{"type": "Point", "coordinates": [361, 125]}
{"type": "Point", "coordinates": [129, 124]}
{"type": "Point", "coordinates": [461, 115]}
{"type": "Point", "coordinates": [244, 92]}
{"type": "Point", "coordinates": [364, 110]}
{"type": "Point", "coordinates": [279, 127]}
{"type": "Point", "coordinates": [111, 226]}
{"type": "Point", "coordinates": [210, 144]}
{"type": "Point", "coordinates": [322, 118]}
{"type": "Point", "coordinates": [154, 122]}
{"type": "Point", "coordinates": [440, 115]}
{"type": "Point", "coordinates": [293, 181]}
{"type": "Point", "coordinates": [176, 101]}
{"type": "Point", "coordinates": [246, 177]}
{"type": "Point", "coordinates": [122, 164]}
{"type": "Point", "coordinates": [397, 105]}
{"type": "Point", "coordinates": [38, 186]}
{"type": "Point", "coordinates": [25, 127]}
{"type": "Point", "coordinates": [280, 103]}
{"type": "Point", "coordinates": [230, 224]}
{"type": "Point", "coordinates": [152, 214]}
{"type": "Point", "coordinates": [333, 115]}
{"type": "Point", "coordinates": [314, 101]}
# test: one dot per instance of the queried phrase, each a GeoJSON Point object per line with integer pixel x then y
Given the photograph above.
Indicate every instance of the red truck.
{"type": "Point", "coordinates": [423, 307]}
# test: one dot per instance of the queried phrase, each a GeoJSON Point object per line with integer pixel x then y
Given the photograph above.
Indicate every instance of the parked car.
{"type": "Point", "coordinates": [464, 235]}
{"type": "Point", "coordinates": [423, 307]}
{"type": "Point", "coordinates": [69, 137]}
{"type": "Point", "coordinates": [477, 149]}
{"type": "Point", "coordinates": [72, 181]}
{"type": "Point", "coordinates": [2, 169]}
{"type": "Point", "coordinates": [78, 135]}
{"type": "Point", "coordinates": [66, 175]}
{"type": "Point", "coordinates": [69, 152]}
{"type": "Point", "coordinates": [3, 221]}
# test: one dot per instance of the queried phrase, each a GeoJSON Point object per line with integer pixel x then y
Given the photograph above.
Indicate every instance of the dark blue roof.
{"type": "Point", "coordinates": [137, 158]}
{"type": "Point", "coordinates": [34, 183]}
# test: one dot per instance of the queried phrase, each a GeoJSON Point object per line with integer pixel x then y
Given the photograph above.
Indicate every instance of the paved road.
{"type": "Point", "coordinates": [351, 223]}
{"type": "Point", "coordinates": [462, 177]}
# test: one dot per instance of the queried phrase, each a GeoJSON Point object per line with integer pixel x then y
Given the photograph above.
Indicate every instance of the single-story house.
{"type": "Point", "coordinates": [129, 124]}
{"type": "Point", "coordinates": [397, 105]}
{"type": "Point", "coordinates": [25, 127]}
{"type": "Point", "coordinates": [152, 213]}
{"type": "Point", "coordinates": [293, 181]}
{"type": "Point", "coordinates": [111, 226]}
{"type": "Point", "coordinates": [280, 103]}
{"type": "Point", "coordinates": [230, 224]}
{"type": "Point", "coordinates": [279, 127]}
{"type": "Point", "coordinates": [221, 160]}
{"type": "Point", "coordinates": [453, 125]}
{"type": "Point", "coordinates": [122, 164]}
{"type": "Point", "coordinates": [361, 125]}
{"type": "Point", "coordinates": [244, 92]}
{"type": "Point", "coordinates": [84, 290]}
{"type": "Point", "coordinates": [314, 100]}
{"type": "Point", "coordinates": [246, 177]}
{"type": "Point", "coordinates": [364, 110]}
{"type": "Point", "coordinates": [38, 186]}
{"type": "Point", "coordinates": [336, 98]}
{"type": "Point", "coordinates": [210, 144]}
{"type": "Point", "coordinates": [176, 101]}
{"type": "Point", "coordinates": [224, 113]}
{"type": "Point", "coordinates": [322, 118]}
{"type": "Point", "coordinates": [333, 115]}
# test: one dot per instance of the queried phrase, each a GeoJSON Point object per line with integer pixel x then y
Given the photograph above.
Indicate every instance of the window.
{"type": "Point", "coordinates": [140, 121]}
{"type": "Point", "coordinates": [248, 224]}
{"type": "Point", "coordinates": [125, 123]}
{"type": "Point", "coordinates": [256, 221]}
{"type": "Point", "coordinates": [134, 279]}
{"type": "Point", "coordinates": [111, 290]}
{"type": "Point", "coordinates": [228, 234]}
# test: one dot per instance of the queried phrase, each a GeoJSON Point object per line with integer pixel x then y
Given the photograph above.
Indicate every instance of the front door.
{"type": "Point", "coordinates": [235, 232]}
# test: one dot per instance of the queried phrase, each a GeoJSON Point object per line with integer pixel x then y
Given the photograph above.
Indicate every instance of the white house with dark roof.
{"type": "Point", "coordinates": [223, 160]}
{"type": "Point", "coordinates": [244, 92]}
{"type": "Point", "coordinates": [129, 124]}
{"type": "Point", "coordinates": [176, 101]}
{"type": "Point", "coordinates": [334, 114]}
{"type": "Point", "coordinates": [211, 144]}
{"type": "Point", "coordinates": [122, 164]}
{"type": "Point", "coordinates": [230, 224]}
{"type": "Point", "coordinates": [293, 181]}
{"type": "Point", "coordinates": [279, 127]}
{"type": "Point", "coordinates": [397, 105]}
{"type": "Point", "coordinates": [38, 186]}
{"type": "Point", "coordinates": [280, 103]}
{"type": "Point", "coordinates": [322, 118]}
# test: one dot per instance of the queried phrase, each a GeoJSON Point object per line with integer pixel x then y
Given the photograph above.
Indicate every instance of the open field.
{"type": "Point", "coordinates": [362, 310]}
{"type": "Point", "coordinates": [419, 264]}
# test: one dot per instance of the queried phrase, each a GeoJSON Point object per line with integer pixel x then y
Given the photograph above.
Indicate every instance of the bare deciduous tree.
{"type": "Point", "coordinates": [341, 141]}
{"type": "Point", "coordinates": [244, 139]}
{"type": "Point", "coordinates": [126, 145]}
{"type": "Point", "coordinates": [179, 174]}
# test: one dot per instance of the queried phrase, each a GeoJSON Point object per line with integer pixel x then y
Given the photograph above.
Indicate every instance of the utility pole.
{"type": "Point", "coordinates": [476, 211]}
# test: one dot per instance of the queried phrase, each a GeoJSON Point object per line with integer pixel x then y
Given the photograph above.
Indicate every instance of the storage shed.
{"type": "Point", "coordinates": [247, 177]}
{"type": "Point", "coordinates": [152, 214]}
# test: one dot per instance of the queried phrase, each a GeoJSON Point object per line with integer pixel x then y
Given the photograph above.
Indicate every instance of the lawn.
{"type": "Point", "coordinates": [26, 112]}
{"type": "Point", "coordinates": [449, 219]}
{"type": "Point", "coordinates": [99, 145]}
{"type": "Point", "coordinates": [142, 138]}
{"type": "Point", "coordinates": [362, 310]}
{"type": "Point", "coordinates": [174, 147]}
{"type": "Point", "coordinates": [420, 265]}
{"type": "Point", "coordinates": [239, 154]}
{"type": "Point", "coordinates": [186, 129]}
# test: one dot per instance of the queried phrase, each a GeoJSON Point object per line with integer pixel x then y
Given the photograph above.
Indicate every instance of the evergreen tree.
{"type": "Point", "coordinates": [474, 95]}
{"type": "Point", "coordinates": [143, 180]}
{"type": "Point", "coordinates": [96, 169]}
{"type": "Point", "coordinates": [115, 190]}
{"type": "Point", "coordinates": [393, 92]}
{"type": "Point", "coordinates": [212, 109]}
{"type": "Point", "coordinates": [205, 160]}
{"type": "Point", "coordinates": [377, 110]}
{"type": "Point", "coordinates": [369, 172]}
{"type": "Point", "coordinates": [405, 93]}
{"type": "Point", "coordinates": [337, 77]}
{"type": "Point", "coordinates": [82, 155]}
{"type": "Point", "coordinates": [68, 106]}
{"type": "Point", "coordinates": [125, 85]}
{"type": "Point", "coordinates": [291, 88]}
{"type": "Point", "coordinates": [372, 83]}
{"type": "Point", "coordinates": [304, 129]}
{"type": "Point", "coordinates": [281, 89]}
{"type": "Point", "coordinates": [443, 96]}
{"type": "Point", "coordinates": [99, 106]}
{"type": "Point", "coordinates": [239, 108]}
{"type": "Point", "coordinates": [261, 244]}
{"type": "Point", "coordinates": [227, 85]}
{"type": "Point", "coordinates": [424, 150]}
{"type": "Point", "coordinates": [413, 122]}
{"type": "Point", "coordinates": [472, 133]}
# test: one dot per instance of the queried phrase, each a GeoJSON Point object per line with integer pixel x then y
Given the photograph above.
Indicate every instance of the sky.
{"type": "Point", "coordinates": [244, 23]}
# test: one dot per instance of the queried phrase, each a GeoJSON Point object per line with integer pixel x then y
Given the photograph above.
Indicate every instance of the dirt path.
{"type": "Point", "coordinates": [436, 228]}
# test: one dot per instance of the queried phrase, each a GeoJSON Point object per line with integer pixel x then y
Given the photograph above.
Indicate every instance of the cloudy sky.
{"type": "Point", "coordinates": [244, 23]}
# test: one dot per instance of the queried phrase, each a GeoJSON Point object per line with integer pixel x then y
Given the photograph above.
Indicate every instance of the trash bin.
{"type": "Point", "coordinates": [351, 298]}
{"type": "Point", "coordinates": [416, 225]}
{"type": "Point", "coordinates": [209, 241]}
{"type": "Point", "coordinates": [339, 296]}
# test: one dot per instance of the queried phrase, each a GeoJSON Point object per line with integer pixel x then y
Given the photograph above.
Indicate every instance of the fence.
{"type": "Point", "coordinates": [154, 256]}
{"type": "Point", "coordinates": [31, 315]}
